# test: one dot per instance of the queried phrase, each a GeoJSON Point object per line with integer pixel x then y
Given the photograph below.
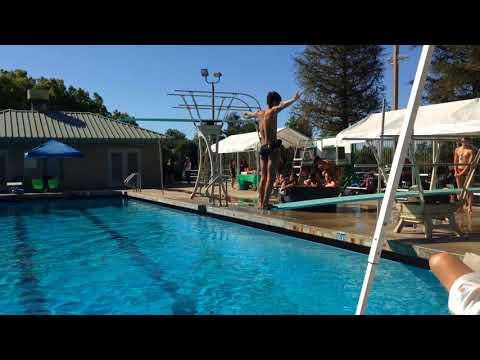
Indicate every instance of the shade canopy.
{"type": "Point", "coordinates": [53, 149]}
{"type": "Point", "coordinates": [250, 141]}
{"type": "Point", "coordinates": [453, 118]}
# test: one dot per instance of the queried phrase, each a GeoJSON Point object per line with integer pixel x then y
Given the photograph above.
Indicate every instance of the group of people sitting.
{"type": "Point", "coordinates": [319, 176]}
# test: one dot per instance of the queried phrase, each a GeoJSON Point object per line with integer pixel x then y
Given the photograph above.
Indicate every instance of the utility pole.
{"type": "Point", "coordinates": [395, 76]}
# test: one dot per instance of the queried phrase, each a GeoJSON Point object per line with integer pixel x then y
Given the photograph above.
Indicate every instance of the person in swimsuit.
{"type": "Point", "coordinates": [463, 156]}
{"type": "Point", "coordinates": [270, 145]}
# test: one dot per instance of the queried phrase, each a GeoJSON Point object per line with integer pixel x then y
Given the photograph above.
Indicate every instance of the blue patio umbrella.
{"type": "Point", "coordinates": [53, 149]}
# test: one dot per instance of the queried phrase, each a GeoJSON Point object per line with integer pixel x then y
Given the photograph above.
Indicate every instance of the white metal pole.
{"type": "Point", "coordinates": [394, 177]}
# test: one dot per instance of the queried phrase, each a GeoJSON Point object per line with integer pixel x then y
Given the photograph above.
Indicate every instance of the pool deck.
{"type": "Point", "coordinates": [349, 226]}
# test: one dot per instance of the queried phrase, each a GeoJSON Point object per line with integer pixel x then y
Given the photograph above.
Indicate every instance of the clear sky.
{"type": "Point", "coordinates": [136, 79]}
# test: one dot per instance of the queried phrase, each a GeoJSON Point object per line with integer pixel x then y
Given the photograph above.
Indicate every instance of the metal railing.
{"type": "Point", "coordinates": [138, 183]}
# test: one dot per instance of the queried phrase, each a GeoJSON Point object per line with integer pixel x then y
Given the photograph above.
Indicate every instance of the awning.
{"type": "Point", "coordinates": [53, 149]}
{"type": "Point", "coordinates": [250, 141]}
{"type": "Point", "coordinates": [457, 118]}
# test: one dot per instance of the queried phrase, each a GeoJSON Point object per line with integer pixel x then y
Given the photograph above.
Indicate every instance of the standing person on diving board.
{"type": "Point", "coordinates": [270, 146]}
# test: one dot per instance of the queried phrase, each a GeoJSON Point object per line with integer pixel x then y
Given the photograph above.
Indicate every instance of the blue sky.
{"type": "Point", "coordinates": [136, 79]}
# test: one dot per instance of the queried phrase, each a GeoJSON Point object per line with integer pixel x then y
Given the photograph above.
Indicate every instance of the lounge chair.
{"type": "Point", "coordinates": [53, 184]}
{"type": "Point", "coordinates": [37, 184]}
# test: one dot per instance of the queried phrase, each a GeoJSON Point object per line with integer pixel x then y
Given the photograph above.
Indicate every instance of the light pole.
{"type": "Point", "coordinates": [394, 61]}
{"type": "Point", "coordinates": [219, 177]}
{"type": "Point", "coordinates": [217, 75]}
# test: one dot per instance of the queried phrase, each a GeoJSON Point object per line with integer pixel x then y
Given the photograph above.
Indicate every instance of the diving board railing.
{"type": "Point", "coordinates": [138, 182]}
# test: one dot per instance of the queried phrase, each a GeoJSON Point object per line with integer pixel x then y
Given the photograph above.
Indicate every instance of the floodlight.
{"type": "Point", "coordinates": [204, 72]}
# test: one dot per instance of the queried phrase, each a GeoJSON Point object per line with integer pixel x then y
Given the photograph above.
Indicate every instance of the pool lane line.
{"type": "Point", "coordinates": [31, 296]}
{"type": "Point", "coordinates": [182, 305]}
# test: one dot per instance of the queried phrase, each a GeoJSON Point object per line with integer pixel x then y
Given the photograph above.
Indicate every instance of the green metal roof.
{"type": "Point", "coordinates": [79, 126]}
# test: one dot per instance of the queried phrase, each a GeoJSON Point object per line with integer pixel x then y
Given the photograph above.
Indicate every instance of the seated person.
{"type": "Point", "coordinates": [329, 181]}
{"type": "Point", "coordinates": [319, 179]}
{"type": "Point", "coordinates": [291, 182]}
{"type": "Point", "coordinates": [312, 180]}
{"type": "Point", "coordinates": [461, 281]}
{"type": "Point", "coordinates": [242, 166]}
{"type": "Point", "coordinates": [278, 181]}
{"type": "Point", "coordinates": [369, 183]}
{"type": "Point", "coordinates": [304, 173]}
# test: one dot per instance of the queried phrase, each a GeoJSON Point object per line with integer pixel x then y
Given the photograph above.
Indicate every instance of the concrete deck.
{"type": "Point", "coordinates": [348, 226]}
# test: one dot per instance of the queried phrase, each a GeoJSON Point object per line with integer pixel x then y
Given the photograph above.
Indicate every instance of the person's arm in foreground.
{"type": "Point", "coordinates": [460, 280]}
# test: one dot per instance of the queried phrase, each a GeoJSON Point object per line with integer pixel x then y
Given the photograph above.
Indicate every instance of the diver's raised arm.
{"type": "Point", "coordinates": [250, 115]}
{"type": "Point", "coordinates": [287, 103]}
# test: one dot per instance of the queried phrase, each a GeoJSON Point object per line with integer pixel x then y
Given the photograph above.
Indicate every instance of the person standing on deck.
{"type": "Point", "coordinates": [233, 172]}
{"type": "Point", "coordinates": [463, 156]}
{"type": "Point", "coordinates": [187, 167]}
{"type": "Point", "coordinates": [270, 146]}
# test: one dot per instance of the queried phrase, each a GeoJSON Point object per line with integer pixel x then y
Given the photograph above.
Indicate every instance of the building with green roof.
{"type": "Point", "coordinates": [112, 149]}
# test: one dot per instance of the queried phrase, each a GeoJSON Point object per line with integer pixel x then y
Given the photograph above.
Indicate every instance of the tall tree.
{"type": "Point", "coordinates": [177, 146]}
{"type": "Point", "coordinates": [235, 126]}
{"type": "Point", "coordinates": [341, 84]}
{"type": "Point", "coordinates": [454, 74]}
{"type": "Point", "coordinates": [299, 124]}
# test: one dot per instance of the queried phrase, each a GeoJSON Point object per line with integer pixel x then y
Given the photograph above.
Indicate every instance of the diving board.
{"type": "Point", "coordinates": [366, 197]}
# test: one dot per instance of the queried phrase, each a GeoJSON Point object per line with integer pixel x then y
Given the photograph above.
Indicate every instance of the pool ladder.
{"type": "Point", "coordinates": [138, 182]}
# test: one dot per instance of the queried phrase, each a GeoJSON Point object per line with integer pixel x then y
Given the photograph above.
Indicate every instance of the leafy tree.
{"type": "Point", "coordinates": [177, 146]}
{"type": "Point", "coordinates": [454, 74]}
{"type": "Point", "coordinates": [236, 126]}
{"type": "Point", "coordinates": [123, 116]}
{"type": "Point", "coordinates": [299, 124]}
{"type": "Point", "coordinates": [13, 94]}
{"type": "Point", "coordinates": [341, 84]}
{"type": "Point", "coordinates": [13, 89]}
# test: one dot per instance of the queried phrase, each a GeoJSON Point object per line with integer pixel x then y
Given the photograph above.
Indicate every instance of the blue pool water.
{"type": "Point", "coordinates": [118, 256]}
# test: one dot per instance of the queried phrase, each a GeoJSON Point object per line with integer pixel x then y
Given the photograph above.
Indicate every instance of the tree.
{"type": "Point", "coordinates": [454, 74]}
{"type": "Point", "coordinates": [177, 146]}
{"type": "Point", "coordinates": [341, 85]}
{"type": "Point", "coordinates": [123, 116]}
{"type": "Point", "coordinates": [236, 126]}
{"type": "Point", "coordinates": [13, 89]}
{"type": "Point", "coordinates": [13, 94]}
{"type": "Point", "coordinates": [299, 124]}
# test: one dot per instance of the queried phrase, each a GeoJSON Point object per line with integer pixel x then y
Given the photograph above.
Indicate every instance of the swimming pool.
{"type": "Point", "coordinates": [119, 256]}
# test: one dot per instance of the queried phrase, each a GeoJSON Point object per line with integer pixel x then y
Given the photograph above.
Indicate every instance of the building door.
{"type": "Point", "coordinates": [132, 162]}
{"type": "Point", "coordinates": [116, 161]}
{"type": "Point", "coordinates": [122, 162]}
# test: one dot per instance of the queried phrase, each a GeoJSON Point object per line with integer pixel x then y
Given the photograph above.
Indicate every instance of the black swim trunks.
{"type": "Point", "coordinates": [266, 150]}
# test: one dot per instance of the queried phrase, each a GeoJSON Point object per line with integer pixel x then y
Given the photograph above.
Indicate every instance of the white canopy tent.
{"type": "Point", "coordinates": [455, 118]}
{"type": "Point", "coordinates": [250, 141]}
